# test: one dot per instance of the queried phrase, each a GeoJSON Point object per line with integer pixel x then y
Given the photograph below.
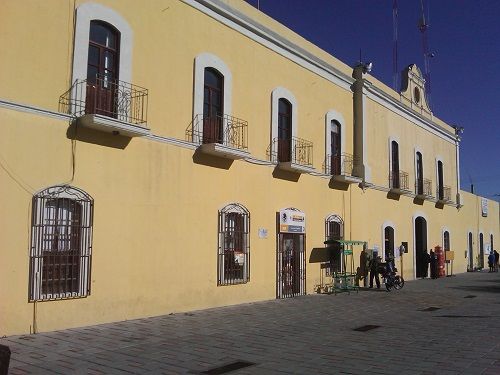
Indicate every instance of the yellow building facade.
{"type": "Point", "coordinates": [182, 154]}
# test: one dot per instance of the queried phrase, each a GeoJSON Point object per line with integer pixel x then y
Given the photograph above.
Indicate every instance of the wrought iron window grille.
{"type": "Point", "coordinates": [107, 97]}
{"type": "Point", "coordinates": [227, 130]}
{"type": "Point", "coordinates": [423, 187]}
{"type": "Point", "coordinates": [339, 165]}
{"type": "Point", "coordinates": [398, 180]}
{"type": "Point", "coordinates": [233, 258]}
{"type": "Point", "coordinates": [295, 150]}
{"type": "Point", "coordinates": [61, 244]}
{"type": "Point", "coordinates": [443, 193]}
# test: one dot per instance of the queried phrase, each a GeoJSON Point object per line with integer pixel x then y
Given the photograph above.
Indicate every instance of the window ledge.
{"type": "Point", "coordinates": [112, 125]}
{"type": "Point", "coordinates": [347, 179]}
{"type": "Point", "coordinates": [399, 191]}
{"type": "Point", "coordinates": [218, 149]}
{"type": "Point", "coordinates": [295, 167]}
{"type": "Point", "coordinates": [444, 201]}
{"type": "Point", "coordinates": [424, 196]}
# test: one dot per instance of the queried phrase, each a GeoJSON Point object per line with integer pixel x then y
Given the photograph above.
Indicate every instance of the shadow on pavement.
{"type": "Point", "coordinates": [486, 288]}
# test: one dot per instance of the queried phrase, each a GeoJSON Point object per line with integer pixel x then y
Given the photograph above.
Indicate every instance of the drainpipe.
{"type": "Point", "coordinates": [458, 132]}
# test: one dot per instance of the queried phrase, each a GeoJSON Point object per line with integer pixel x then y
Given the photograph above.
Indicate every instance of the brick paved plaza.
{"type": "Point", "coordinates": [444, 326]}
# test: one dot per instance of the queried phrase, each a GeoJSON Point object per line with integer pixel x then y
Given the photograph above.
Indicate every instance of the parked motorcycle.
{"type": "Point", "coordinates": [390, 277]}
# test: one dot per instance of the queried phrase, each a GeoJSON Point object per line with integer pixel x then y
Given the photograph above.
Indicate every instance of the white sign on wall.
{"type": "Point", "coordinates": [292, 221]}
{"type": "Point", "coordinates": [484, 207]}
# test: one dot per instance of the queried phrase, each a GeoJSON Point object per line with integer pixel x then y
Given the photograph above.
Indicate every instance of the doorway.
{"type": "Point", "coordinates": [291, 265]}
{"type": "Point", "coordinates": [480, 262]}
{"type": "Point", "coordinates": [471, 253]}
{"type": "Point", "coordinates": [420, 247]}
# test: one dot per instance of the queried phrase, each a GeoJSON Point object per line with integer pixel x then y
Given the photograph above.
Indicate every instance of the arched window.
{"type": "Point", "coordinates": [394, 175]}
{"type": "Point", "coordinates": [334, 230]}
{"type": "Point", "coordinates": [284, 130]}
{"type": "Point", "coordinates": [102, 69]}
{"type": "Point", "coordinates": [446, 241]}
{"type": "Point", "coordinates": [61, 244]}
{"type": "Point", "coordinates": [334, 227]}
{"type": "Point", "coordinates": [440, 180]}
{"type": "Point", "coordinates": [335, 148]}
{"type": "Point", "coordinates": [389, 242]}
{"type": "Point", "coordinates": [213, 106]}
{"type": "Point", "coordinates": [419, 174]}
{"type": "Point", "coordinates": [234, 245]}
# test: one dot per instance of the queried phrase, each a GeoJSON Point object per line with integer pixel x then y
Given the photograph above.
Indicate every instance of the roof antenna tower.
{"type": "Point", "coordinates": [395, 74]}
{"type": "Point", "coordinates": [423, 26]}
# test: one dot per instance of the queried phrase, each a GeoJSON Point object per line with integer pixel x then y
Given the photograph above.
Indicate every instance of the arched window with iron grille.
{"type": "Point", "coordinates": [334, 230]}
{"type": "Point", "coordinates": [61, 244]}
{"type": "Point", "coordinates": [446, 241]}
{"type": "Point", "coordinates": [233, 259]}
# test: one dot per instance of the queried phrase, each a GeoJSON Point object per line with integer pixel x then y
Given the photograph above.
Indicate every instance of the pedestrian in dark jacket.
{"type": "Point", "coordinates": [374, 265]}
{"type": "Point", "coordinates": [433, 263]}
{"type": "Point", "coordinates": [425, 264]}
{"type": "Point", "coordinates": [496, 260]}
{"type": "Point", "coordinates": [491, 261]}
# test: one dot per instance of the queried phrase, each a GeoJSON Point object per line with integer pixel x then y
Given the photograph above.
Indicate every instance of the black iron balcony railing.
{"type": "Point", "coordinates": [339, 165]}
{"type": "Point", "coordinates": [444, 193]}
{"type": "Point", "coordinates": [224, 129]}
{"type": "Point", "coordinates": [111, 98]}
{"type": "Point", "coordinates": [398, 180]}
{"type": "Point", "coordinates": [423, 187]}
{"type": "Point", "coordinates": [295, 150]}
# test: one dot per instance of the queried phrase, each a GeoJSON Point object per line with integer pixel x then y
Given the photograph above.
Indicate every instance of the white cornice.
{"type": "Point", "coordinates": [376, 94]}
{"type": "Point", "coordinates": [272, 40]}
{"type": "Point", "coordinates": [33, 110]}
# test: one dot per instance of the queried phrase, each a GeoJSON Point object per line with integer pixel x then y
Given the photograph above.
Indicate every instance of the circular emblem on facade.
{"type": "Point", "coordinates": [416, 95]}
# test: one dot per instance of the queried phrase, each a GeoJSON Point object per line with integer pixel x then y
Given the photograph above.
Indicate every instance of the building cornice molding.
{"type": "Point", "coordinates": [272, 40]}
{"type": "Point", "coordinates": [376, 94]}
{"type": "Point", "coordinates": [20, 107]}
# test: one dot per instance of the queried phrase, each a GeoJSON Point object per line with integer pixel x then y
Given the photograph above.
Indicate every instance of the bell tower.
{"type": "Point", "coordinates": [413, 90]}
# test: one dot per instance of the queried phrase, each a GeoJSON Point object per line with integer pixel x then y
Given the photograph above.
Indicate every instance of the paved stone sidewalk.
{"type": "Point", "coordinates": [307, 335]}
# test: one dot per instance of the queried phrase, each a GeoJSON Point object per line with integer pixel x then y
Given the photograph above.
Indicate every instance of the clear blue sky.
{"type": "Point", "coordinates": [465, 72]}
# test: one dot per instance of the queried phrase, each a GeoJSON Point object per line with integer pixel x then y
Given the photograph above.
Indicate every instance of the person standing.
{"type": "Point", "coordinates": [374, 265]}
{"type": "Point", "coordinates": [425, 264]}
{"type": "Point", "coordinates": [496, 260]}
{"type": "Point", "coordinates": [491, 261]}
{"type": "Point", "coordinates": [433, 263]}
{"type": "Point", "coordinates": [363, 266]}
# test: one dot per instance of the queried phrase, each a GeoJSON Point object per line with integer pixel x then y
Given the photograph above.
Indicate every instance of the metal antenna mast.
{"type": "Point", "coordinates": [423, 26]}
{"type": "Point", "coordinates": [395, 73]}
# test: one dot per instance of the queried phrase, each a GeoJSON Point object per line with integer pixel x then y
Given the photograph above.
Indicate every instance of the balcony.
{"type": "Point", "coordinates": [293, 155]}
{"type": "Point", "coordinates": [423, 188]}
{"type": "Point", "coordinates": [443, 194]}
{"type": "Point", "coordinates": [222, 135]}
{"type": "Point", "coordinates": [398, 182]}
{"type": "Point", "coordinates": [341, 168]}
{"type": "Point", "coordinates": [111, 106]}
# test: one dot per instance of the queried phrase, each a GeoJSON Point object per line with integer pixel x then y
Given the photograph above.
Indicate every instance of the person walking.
{"type": "Point", "coordinates": [496, 260]}
{"type": "Point", "coordinates": [363, 266]}
{"type": "Point", "coordinates": [491, 261]}
{"type": "Point", "coordinates": [374, 265]}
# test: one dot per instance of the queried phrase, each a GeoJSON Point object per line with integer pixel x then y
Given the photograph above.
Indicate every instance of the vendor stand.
{"type": "Point", "coordinates": [343, 280]}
